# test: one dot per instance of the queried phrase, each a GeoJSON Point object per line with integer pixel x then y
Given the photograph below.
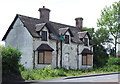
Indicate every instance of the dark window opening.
{"type": "Point", "coordinates": [44, 35]}
{"type": "Point", "coordinates": [66, 39]}
{"type": "Point", "coordinates": [86, 41]}
{"type": "Point", "coordinates": [81, 39]}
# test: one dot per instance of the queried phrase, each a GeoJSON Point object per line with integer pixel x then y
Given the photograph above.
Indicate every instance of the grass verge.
{"type": "Point", "coordinates": [49, 73]}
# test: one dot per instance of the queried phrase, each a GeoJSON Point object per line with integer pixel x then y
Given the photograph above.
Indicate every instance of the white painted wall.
{"type": "Point", "coordinates": [69, 54]}
{"type": "Point", "coordinates": [81, 47]}
{"type": "Point", "coordinates": [51, 43]}
{"type": "Point", "coordinates": [20, 37]}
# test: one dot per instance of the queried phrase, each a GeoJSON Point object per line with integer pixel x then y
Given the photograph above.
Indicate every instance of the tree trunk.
{"type": "Point", "coordinates": [115, 47]}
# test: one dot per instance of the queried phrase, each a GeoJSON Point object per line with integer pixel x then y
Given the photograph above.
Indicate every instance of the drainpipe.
{"type": "Point", "coordinates": [61, 54]}
{"type": "Point", "coordinates": [78, 56]}
{"type": "Point", "coordinates": [57, 54]}
{"type": "Point", "coordinates": [33, 54]}
{"type": "Point", "coordinates": [34, 59]}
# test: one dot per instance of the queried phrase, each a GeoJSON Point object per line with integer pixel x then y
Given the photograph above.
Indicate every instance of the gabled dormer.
{"type": "Point", "coordinates": [85, 38]}
{"type": "Point", "coordinates": [42, 31]}
{"type": "Point", "coordinates": [66, 33]}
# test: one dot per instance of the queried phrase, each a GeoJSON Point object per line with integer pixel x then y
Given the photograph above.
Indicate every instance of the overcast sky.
{"type": "Point", "coordinates": [62, 11]}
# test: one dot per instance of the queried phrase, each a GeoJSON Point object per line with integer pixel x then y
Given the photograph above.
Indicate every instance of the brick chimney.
{"type": "Point", "coordinates": [44, 14]}
{"type": "Point", "coordinates": [79, 22]}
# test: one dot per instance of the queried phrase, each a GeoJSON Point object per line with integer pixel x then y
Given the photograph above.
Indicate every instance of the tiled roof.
{"type": "Point", "coordinates": [38, 27]}
{"type": "Point", "coordinates": [45, 47]}
{"type": "Point", "coordinates": [86, 51]}
{"type": "Point", "coordinates": [34, 25]}
{"type": "Point", "coordinates": [83, 33]}
{"type": "Point", "coordinates": [63, 30]}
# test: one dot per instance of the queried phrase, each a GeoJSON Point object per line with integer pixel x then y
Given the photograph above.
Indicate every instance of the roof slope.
{"type": "Point", "coordinates": [53, 27]}
{"type": "Point", "coordinates": [45, 47]}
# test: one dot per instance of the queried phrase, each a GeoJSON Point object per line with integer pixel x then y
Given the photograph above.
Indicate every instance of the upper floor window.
{"type": "Point", "coordinates": [44, 35]}
{"type": "Point", "coordinates": [66, 39]}
{"type": "Point", "coordinates": [86, 41]}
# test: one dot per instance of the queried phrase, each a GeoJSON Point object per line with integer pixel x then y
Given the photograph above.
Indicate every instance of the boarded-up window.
{"type": "Point", "coordinates": [40, 58]}
{"type": "Point", "coordinates": [45, 57]}
{"type": "Point", "coordinates": [89, 59]}
{"type": "Point", "coordinates": [84, 61]}
{"type": "Point", "coordinates": [48, 57]}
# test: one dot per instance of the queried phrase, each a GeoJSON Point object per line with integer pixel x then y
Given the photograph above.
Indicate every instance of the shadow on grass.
{"type": "Point", "coordinates": [12, 78]}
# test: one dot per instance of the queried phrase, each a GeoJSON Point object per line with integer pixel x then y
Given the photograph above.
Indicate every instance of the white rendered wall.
{"type": "Point", "coordinates": [20, 37]}
{"type": "Point", "coordinates": [51, 43]}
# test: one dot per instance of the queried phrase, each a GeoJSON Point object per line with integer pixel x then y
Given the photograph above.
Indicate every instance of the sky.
{"type": "Point", "coordinates": [62, 11]}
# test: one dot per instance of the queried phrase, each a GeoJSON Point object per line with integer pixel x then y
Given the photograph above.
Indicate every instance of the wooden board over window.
{"type": "Point", "coordinates": [40, 60]}
{"type": "Point", "coordinates": [89, 59]}
{"type": "Point", "coordinates": [48, 57]}
{"type": "Point", "coordinates": [84, 61]}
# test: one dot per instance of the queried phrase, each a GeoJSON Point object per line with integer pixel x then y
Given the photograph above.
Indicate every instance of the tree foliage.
{"type": "Point", "coordinates": [10, 59]}
{"type": "Point", "coordinates": [109, 21]}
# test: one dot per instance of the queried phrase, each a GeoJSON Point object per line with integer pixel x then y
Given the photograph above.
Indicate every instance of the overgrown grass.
{"type": "Point", "coordinates": [112, 65]}
{"type": "Point", "coordinates": [49, 73]}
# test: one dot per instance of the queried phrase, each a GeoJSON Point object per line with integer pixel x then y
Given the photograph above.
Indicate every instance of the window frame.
{"type": "Point", "coordinates": [43, 57]}
{"type": "Point", "coordinates": [87, 62]}
{"type": "Point", "coordinates": [86, 42]}
{"type": "Point", "coordinates": [67, 39]}
{"type": "Point", "coordinates": [44, 35]}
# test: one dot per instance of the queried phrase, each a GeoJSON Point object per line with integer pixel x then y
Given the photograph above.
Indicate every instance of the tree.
{"type": "Point", "coordinates": [109, 20]}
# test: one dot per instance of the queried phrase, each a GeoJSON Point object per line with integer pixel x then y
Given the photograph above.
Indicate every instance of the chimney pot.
{"type": "Point", "coordinates": [43, 6]}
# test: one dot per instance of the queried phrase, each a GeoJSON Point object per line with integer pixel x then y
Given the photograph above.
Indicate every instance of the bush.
{"type": "Point", "coordinates": [60, 72]}
{"type": "Point", "coordinates": [113, 61]}
{"type": "Point", "coordinates": [10, 59]}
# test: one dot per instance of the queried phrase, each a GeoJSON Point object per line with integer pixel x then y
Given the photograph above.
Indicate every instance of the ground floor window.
{"type": "Point", "coordinates": [87, 59]}
{"type": "Point", "coordinates": [44, 57]}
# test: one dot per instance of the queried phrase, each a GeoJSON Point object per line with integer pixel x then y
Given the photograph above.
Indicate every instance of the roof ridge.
{"type": "Point", "coordinates": [62, 24]}
{"type": "Point", "coordinates": [47, 22]}
{"type": "Point", "coordinates": [27, 16]}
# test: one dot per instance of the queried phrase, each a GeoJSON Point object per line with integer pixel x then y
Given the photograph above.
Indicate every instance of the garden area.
{"type": "Point", "coordinates": [104, 58]}
{"type": "Point", "coordinates": [12, 68]}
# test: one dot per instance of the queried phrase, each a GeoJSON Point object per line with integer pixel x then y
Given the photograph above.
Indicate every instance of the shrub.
{"type": "Point", "coordinates": [113, 61]}
{"type": "Point", "coordinates": [10, 59]}
{"type": "Point", "coordinates": [60, 72]}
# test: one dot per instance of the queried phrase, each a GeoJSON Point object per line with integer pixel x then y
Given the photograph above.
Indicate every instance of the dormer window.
{"type": "Point", "coordinates": [66, 39]}
{"type": "Point", "coordinates": [85, 41]}
{"type": "Point", "coordinates": [44, 36]}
